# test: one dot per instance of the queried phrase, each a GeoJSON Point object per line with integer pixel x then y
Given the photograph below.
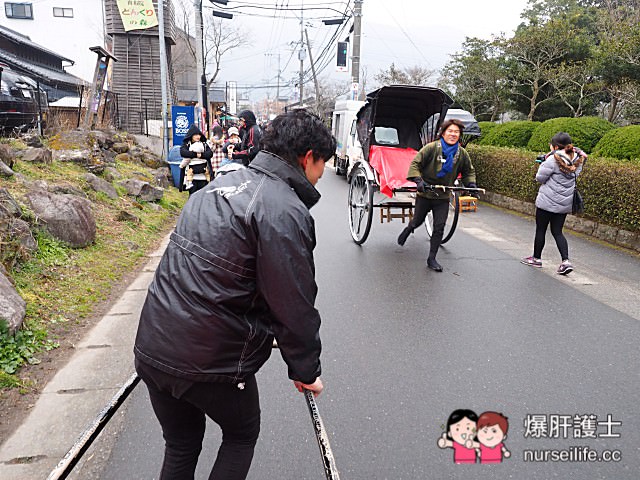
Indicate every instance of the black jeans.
{"type": "Point", "coordinates": [181, 406]}
{"type": "Point", "coordinates": [440, 210]}
{"type": "Point", "coordinates": [543, 219]}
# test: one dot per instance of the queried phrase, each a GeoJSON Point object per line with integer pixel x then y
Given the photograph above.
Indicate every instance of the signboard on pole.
{"type": "Point", "coordinates": [137, 14]}
{"type": "Point", "coordinates": [181, 119]}
{"type": "Point", "coordinates": [232, 98]}
{"type": "Point", "coordinates": [355, 87]}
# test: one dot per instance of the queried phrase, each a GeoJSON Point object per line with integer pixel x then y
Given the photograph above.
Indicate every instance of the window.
{"type": "Point", "coordinates": [386, 136]}
{"type": "Point", "coordinates": [63, 12]}
{"type": "Point", "coordinates": [18, 10]}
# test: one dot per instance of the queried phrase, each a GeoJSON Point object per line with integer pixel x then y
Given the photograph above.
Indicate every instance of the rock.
{"type": "Point", "coordinates": [8, 204]}
{"type": "Point", "coordinates": [143, 190]}
{"type": "Point", "coordinates": [101, 139]}
{"type": "Point", "coordinates": [6, 155]}
{"type": "Point", "coordinates": [162, 177]}
{"type": "Point", "coordinates": [152, 161]}
{"type": "Point", "coordinates": [96, 168]}
{"type": "Point", "coordinates": [67, 188]}
{"type": "Point", "coordinates": [20, 231]}
{"type": "Point", "coordinates": [81, 157]}
{"type": "Point", "coordinates": [100, 185]}
{"type": "Point", "coordinates": [137, 153]}
{"type": "Point", "coordinates": [124, 216]}
{"type": "Point", "coordinates": [123, 158]}
{"type": "Point", "coordinates": [12, 306]}
{"type": "Point", "coordinates": [111, 174]}
{"type": "Point", "coordinates": [32, 141]}
{"type": "Point", "coordinates": [120, 147]}
{"type": "Point", "coordinates": [39, 184]}
{"type": "Point", "coordinates": [131, 246]}
{"type": "Point", "coordinates": [154, 206]}
{"type": "Point", "coordinates": [109, 156]}
{"type": "Point", "coordinates": [37, 155]}
{"type": "Point", "coordinates": [5, 171]}
{"type": "Point", "coordinates": [66, 217]}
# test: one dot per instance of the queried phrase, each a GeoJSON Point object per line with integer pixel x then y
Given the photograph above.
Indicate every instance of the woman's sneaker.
{"type": "Point", "coordinates": [565, 268]}
{"type": "Point", "coordinates": [532, 262]}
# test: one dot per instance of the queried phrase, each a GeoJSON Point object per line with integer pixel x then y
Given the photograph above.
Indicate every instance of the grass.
{"type": "Point", "coordinates": [61, 285]}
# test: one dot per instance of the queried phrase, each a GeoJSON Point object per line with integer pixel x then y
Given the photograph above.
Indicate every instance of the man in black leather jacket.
{"type": "Point", "coordinates": [238, 271]}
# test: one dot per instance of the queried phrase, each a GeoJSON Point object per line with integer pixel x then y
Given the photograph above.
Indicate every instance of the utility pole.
{"type": "Point", "coordinates": [197, 5]}
{"type": "Point", "coordinates": [301, 54]}
{"type": "Point", "coordinates": [313, 71]}
{"type": "Point", "coordinates": [357, 32]}
{"type": "Point", "coordinates": [164, 73]}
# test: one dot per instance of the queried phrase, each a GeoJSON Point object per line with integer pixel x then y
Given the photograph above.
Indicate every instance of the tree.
{"type": "Point", "coordinates": [477, 76]}
{"type": "Point", "coordinates": [415, 75]}
{"type": "Point", "coordinates": [219, 39]}
{"type": "Point", "coordinates": [532, 53]}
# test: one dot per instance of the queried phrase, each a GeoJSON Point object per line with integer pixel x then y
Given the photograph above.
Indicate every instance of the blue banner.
{"type": "Point", "coordinates": [181, 119]}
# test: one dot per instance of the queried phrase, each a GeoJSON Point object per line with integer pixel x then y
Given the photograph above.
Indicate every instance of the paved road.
{"type": "Point", "coordinates": [405, 346]}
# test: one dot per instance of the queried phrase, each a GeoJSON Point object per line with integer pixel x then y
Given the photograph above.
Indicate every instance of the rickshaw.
{"type": "Point", "coordinates": [395, 122]}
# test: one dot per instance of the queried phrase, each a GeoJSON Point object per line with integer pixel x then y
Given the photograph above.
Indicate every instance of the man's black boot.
{"type": "Point", "coordinates": [433, 264]}
{"type": "Point", "coordinates": [404, 235]}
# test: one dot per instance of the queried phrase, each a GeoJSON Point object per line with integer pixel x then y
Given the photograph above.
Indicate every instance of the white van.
{"type": "Point", "coordinates": [348, 149]}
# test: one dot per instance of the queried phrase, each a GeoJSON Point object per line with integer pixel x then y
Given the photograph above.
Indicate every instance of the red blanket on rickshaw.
{"type": "Point", "coordinates": [392, 165]}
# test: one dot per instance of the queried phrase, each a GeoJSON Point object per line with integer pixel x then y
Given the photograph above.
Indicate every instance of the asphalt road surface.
{"type": "Point", "coordinates": [405, 346]}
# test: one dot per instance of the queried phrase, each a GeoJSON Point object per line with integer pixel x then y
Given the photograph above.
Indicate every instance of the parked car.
{"type": "Point", "coordinates": [19, 101]}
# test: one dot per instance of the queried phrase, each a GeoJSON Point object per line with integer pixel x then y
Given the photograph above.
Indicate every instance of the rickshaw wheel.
{"type": "Point", "coordinates": [452, 218]}
{"type": "Point", "coordinates": [360, 206]}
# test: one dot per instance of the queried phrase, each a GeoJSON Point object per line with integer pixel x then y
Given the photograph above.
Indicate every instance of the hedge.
{"type": "Point", "coordinates": [485, 128]}
{"type": "Point", "coordinates": [510, 134]}
{"type": "Point", "coordinates": [585, 132]}
{"type": "Point", "coordinates": [611, 188]}
{"type": "Point", "coordinates": [622, 143]}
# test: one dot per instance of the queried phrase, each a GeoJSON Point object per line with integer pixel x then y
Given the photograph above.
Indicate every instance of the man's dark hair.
{"type": "Point", "coordinates": [292, 134]}
{"type": "Point", "coordinates": [448, 123]}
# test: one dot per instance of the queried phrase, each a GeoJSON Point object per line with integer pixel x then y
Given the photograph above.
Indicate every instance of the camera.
{"type": "Point", "coordinates": [541, 158]}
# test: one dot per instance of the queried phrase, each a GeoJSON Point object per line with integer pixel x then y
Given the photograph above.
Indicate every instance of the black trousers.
{"type": "Point", "coordinates": [543, 219]}
{"type": "Point", "coordinates": [181, 407]}
{"type": "Point", "coordinates": [440, 210]}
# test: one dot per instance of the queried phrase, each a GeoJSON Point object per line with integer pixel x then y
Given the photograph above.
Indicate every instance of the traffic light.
{"type": "Point", "coordinates": [343, 47]}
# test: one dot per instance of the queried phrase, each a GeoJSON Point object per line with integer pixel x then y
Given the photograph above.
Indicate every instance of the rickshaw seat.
{"type": "Point", "coordinates": [392, 165]}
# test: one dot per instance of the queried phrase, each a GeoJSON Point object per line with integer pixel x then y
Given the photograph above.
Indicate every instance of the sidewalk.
{"type": "Point", "coordinates": [78, 392]}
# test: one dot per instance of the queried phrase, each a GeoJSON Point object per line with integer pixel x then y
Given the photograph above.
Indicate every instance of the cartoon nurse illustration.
{"type": "Point", "coordinates": [492, 431]}
{"type": "Point", "coordinates": [461, 430]}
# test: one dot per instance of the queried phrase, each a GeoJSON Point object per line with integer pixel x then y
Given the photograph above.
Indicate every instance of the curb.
{"type": "Point", "coordinates": [70, 401]}
{"type": "Point", "coordinates": [601, 231]}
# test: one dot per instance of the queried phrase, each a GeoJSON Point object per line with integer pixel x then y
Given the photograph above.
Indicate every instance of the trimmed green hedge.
{"type": "Point", "coordinates": [510, 134]}
{"type": "Point", "coordinates": [485, 128]}
{"type": "Point", "coordinates": [610, 188]}
{"type": "Point", "coordinates": [622, 143]}
{"type": "Point", "coordinates": [585, 132]}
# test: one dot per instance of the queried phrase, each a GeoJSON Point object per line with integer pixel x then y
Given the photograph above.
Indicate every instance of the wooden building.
{"type": "Point", "coordinates": [135, 77]}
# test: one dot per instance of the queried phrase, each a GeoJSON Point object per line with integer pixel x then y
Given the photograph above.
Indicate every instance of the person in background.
{"type": "Point", "coordinates": [251, 135]}
{"type": "Point", "coordinates": [217, 143]}
{"type": "Point", "coordinates": [237, 273]}
{"type": "Point", "coordinates": [557, 176]}
{"type": "Point", "coordinates": [230, 145]}
{"type": "Point", "coordinates": [195, 167]}
{"type": "Point", "coordinates": [438, 163]}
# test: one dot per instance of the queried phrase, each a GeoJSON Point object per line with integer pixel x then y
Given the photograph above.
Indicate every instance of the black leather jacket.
{"type": "Point", "coordinates": [238, 271]}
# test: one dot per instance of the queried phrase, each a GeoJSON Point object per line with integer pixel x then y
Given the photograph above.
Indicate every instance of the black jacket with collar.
{"type": "Point", "coordinates": [238, 271]}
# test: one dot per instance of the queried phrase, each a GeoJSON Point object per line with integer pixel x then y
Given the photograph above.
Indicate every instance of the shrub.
{"type": "Point", "coordinates": [510, 134]}
{"type": "Point", "coordinates": [622, 143]}
{"type": "Point", "coordinates": [611, 188]}
{"type": "Point", "coordinates": [485, 128]}
{"type": "Point", "coordinates": [584, 131]}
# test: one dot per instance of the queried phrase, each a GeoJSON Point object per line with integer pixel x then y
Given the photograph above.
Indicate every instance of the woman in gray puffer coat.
{"type": "Point", "coordinates": [557, 176]}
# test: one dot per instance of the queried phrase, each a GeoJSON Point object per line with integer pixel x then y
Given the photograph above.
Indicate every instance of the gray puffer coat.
{"type": "Point", "coordinates": [556, 192]}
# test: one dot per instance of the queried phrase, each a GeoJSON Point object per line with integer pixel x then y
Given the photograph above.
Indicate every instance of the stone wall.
{"type": "Point", "coordinates": [601, 231]}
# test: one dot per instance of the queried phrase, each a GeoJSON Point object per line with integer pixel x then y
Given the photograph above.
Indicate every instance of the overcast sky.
{"type": "Point", "coordinates": [406, 32]}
